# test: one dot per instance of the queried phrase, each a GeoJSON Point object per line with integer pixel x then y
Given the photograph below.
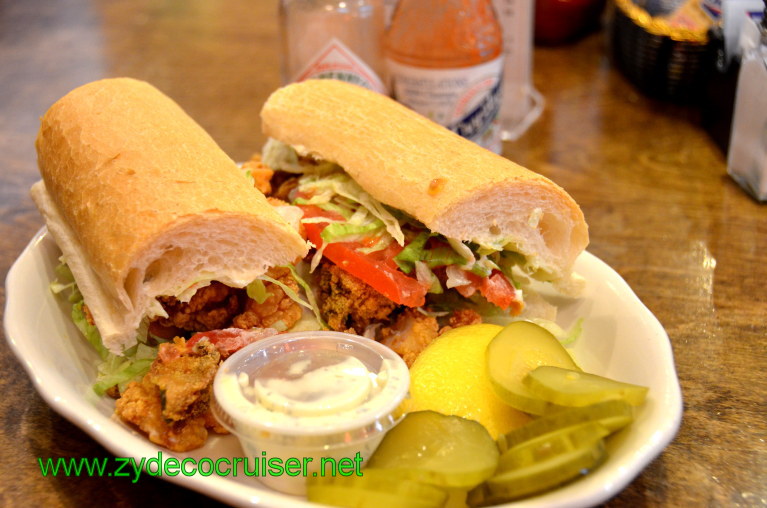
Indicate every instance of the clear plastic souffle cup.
{"type": "Point", "coordinates": [309, 401]}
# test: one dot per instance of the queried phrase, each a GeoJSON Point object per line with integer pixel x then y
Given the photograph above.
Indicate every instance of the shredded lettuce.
{"type": "Point", "coordinates": [278, 155]}
{"type": "Point", "coordinates": [484, 266]}
{"type": "Point", "coordinates": [426, 276]}
{"type": "Point", "coordinates": [416, 251]}
{"type": "Point", "coordinates": [412, 253]}
{"type": "Point", "coordinates": [381, 243]}
{"type": "Point", "coordinates": [119, 370]}
{"type": "Point", "coordinates": [257, 291]}
{"type": "Point", "coordinates": [65, 281]}
{"type": "Point", "coordinates": [441, 256]}
{"type": "Point", "coordinates": [90, 332]}
{"type": "Point", "coordinates": [113, 369]}
{"type": "Point", "coordinates": [348, 232]}
{"type": "Point", "coordinates": [456, 277]}
{"type": "Point", "coordinates": [464, 250]}
{"type": "Point", "coordinates": [290, 293]}
{"type": "Point", "coordinates": [250, 178]}
{"type": "Point", "coordinates": [319, 220]}
{"type": "Point", "coordinates": [309, 294]}
{"type": "Point", "coordinates": [323, 202]}
{"type": "Point", "coordinates": [566, 337]}
{"type": "Point", "coordinates": [340, 184]}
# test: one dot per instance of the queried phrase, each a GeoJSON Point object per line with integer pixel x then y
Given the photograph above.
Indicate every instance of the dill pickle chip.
{"type": "Point", "coordinates": [567, 387]}
{"type": "Point", "coordinates": [558, 442]}
{"type": "Point", "coordinates": [611, 414]}
{"type": "Point", "coordinates": [374, 489]}
{"type": "Point", "coordinates": [517, 349]}
{"type": "Point", "coordinates": [442, 450]}
{"type": "Point", "coordinates": [539, 476]}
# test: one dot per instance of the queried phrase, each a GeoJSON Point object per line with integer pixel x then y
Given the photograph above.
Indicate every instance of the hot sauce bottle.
{"type": "Point", "coordinates": [444, 59]}
{"type": "Point", "coordinates": [335, 39]}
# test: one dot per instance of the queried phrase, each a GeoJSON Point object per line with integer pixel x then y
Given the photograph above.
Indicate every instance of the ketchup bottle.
{"type": "Point", "coordinates": [444, 59]}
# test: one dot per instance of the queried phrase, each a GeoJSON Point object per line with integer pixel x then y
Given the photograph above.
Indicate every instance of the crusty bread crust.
{"type": "Point", "coordinates": [150, 201]}
{"type": "Point", "coordinates": [452, 185]}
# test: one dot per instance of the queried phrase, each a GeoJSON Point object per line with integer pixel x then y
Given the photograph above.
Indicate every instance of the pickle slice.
{"type": "Point", "coordinates": [558, 442]}
{"type": "Point", "coordinates": [373, 489]}
{"type": "Point", "coordinates": [539, 476]}
{"type": "Point", "coordinates": [567, 387]}
{"type": "Point", "coordinates": [442, 450]}
{"type": "Point", "coordinates": [611, 414]}
{"type": "Point", "coordinates": [517, 349]}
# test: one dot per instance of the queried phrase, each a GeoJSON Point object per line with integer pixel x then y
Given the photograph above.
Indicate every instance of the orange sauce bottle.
{"type": "Point", "coordinates": [444, 59]}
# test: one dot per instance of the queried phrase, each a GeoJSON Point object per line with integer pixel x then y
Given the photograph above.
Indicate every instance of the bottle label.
{"type": "Point", "coordinates": [337, 61]}
{"type": "Point", "coordinates": [466, 100]}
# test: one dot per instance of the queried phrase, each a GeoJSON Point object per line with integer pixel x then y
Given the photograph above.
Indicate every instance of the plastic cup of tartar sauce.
{"type": "Point", "coordinates": [309, 403]}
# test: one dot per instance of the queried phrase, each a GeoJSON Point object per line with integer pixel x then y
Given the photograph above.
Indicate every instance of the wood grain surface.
{"type": "Point", "coordinates": [662, 212]}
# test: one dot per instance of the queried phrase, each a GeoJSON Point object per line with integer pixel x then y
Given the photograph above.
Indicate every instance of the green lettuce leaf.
{"type": "Point", "coordinates": [112, 369]}
{"type": "Point", "coordinates": [257, 291]}
{"type": "Point", "coordinates": [442, 255]}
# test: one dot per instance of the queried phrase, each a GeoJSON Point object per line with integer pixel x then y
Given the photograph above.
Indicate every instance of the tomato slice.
{"type": "Point", "coordinates": [230, 340]}
{"type": "Point", "coordinates": [496, 289]}
{"type": "Point", "coordinates": [499, 291]}
{"type": "Point", "coordinates": [377, 269]}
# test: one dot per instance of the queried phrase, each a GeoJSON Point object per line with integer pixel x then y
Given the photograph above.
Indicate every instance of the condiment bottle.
{"type": "Point", "coordinates": [444, 59]}
{"type": "Point", "coordinates": [333, 39]}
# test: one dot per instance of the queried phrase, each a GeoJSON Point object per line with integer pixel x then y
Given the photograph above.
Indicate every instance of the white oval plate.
{"type": "Point", "coordinates": [620, 339]}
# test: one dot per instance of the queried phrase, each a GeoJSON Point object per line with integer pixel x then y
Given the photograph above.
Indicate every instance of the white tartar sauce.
{"type": "Point", "coordinates": [309, 390]}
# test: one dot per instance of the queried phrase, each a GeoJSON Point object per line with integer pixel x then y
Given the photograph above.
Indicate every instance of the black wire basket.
{"type": "Point", "coordinates": [662, 61]}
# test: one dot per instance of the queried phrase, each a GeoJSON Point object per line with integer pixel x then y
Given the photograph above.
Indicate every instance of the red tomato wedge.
{"type": "Point", "coordinates": [377, 269]}
{"type": "Point", "coordinates": [499, 291]}
{"type": "Point", "coordinates": [496, 289]}
{"type": "Point", "coordinates": [230, 340]}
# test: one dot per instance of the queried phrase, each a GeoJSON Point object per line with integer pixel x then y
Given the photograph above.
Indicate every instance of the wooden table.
{"type": "Point", "coordinates": [661, 209]}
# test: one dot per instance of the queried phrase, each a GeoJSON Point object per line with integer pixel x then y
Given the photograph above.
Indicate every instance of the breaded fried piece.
{"type": "Point", "coordinates": [141, 405]}
{"type": "Point", "coordinates": [277, 306]}
{"type": "Point", "coordinates": [285, 184]}
{"type": "Point", "coordinates": [184, 379]}
{"type": "Point", "coordinates": [171, 404]}
{"type": "Point", "coordinates": [411, 333]}
{"type": "Point", "coordinates": [346, 302]}
{"type": "Point", "coordinates": [461, 317]}
{"type": "Point", "coordinates": [212, 307]}
{"type": "Point", "coordinates": [261, 173]}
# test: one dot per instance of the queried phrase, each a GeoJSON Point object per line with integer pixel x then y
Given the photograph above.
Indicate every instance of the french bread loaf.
{"type": "Point", "coordinates": [450, 184]}
{"type": "Point", "coordinates": [143, 203]}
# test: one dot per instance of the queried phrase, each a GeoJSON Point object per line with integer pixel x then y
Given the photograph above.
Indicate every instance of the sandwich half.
{"type": "Point", "coordinates": [159, 227]}
{"type": "Point", "coordinates": [424, 217]}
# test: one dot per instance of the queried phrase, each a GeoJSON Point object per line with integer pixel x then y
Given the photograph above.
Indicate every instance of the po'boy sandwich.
{"type": "Point", "coordinates": [414, 228]}
{"type": "Point", "coordinates": [162, 233]}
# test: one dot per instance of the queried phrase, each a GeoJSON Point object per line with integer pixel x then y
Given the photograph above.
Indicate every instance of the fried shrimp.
{"type": "Point", "coordinates": [411, 333]}
{"type": "Point", "coordinates": [277, 310]}
{"type": "Point", "coordinates": [461, 317]}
